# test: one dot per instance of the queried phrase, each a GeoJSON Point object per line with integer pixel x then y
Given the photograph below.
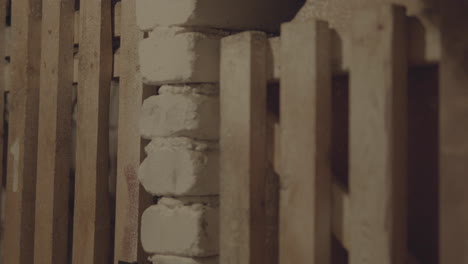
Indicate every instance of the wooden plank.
{"type": "Point", "coordinates": [131, 198]}
{"type": "Point", "coordinates": [22, 158]}
{"type": "Point", "coordinates": [378, 136]}
{"type": "Point", "coordinates": [453, 131]}
{"type": "Point", "coordinates": [3, 89]}
{"type": "Point", "coordinates": [116, 26]}
{"type": "Point", "coordinates": [54, 136]}
{"type": "Point", "coordinates": [117, 64]}
{"type": "Point", "coordinates": [243, 148]}
{"type": "Point", "coordinates": [305, 194]}
{"type": "Point", "coordinates": [3, 65]}
{"type": "Point", "coordinates": [92, 237]}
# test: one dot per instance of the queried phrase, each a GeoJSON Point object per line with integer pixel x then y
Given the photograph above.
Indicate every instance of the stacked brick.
{"type": "Point", "coordinates": [181, 55]}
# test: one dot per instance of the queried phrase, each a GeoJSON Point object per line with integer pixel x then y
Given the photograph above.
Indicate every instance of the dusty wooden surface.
{"type": "Point", "coordinates": [378, 136]}
{"type": "Point", "coordinates": [453, 131]}
{"type": "Point", "coordinates": [305, 113]}
{"type": "Point", "coordinates": [131, 199]}
{"type": "Point", "coordinates": [3, 63]}
{"type": "Point", "coordinates": [243, 146]}
{"type": "Point", "coordinates": [54, 136]}
{"type": "Point", "coordinates": [93, 229]}
{"type": "Point", "coordinates": [21, 182]}
{"type": "Point", "coordinates": [424, 42]}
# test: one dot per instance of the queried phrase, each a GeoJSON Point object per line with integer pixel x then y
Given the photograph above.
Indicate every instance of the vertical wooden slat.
{"type": "Point", "coordinates": [54, 136]}
{"type": "Point", "coordinates": [305, 96]}
{"type": "Point", "coordinates": [3, 44]}
{"type": "Point", "coordinates": [92, 234]}
{"type": "Point", "coordinates": [131, 200]}
{"type": "Point", "coordinates": [453, 134]}
{"type": "Point", "coordinates": [3, 89]}
{"type": "Point", "coordinates": [22, 158]}
{"type": "Point", "coordinates": [378, 136]}
{"type": "Point", "coordinates": [243, 148]}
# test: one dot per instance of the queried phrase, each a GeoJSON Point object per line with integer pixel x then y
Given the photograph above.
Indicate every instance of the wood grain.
{"type": "Point", "coordinates": [305, 113]}
{"type": "Point", "coordinates": [453, 131]}
{"type": "Point", "coordinates": [3, 65]}
{"type": "Point", "coordinates": [378, 136]}
{"type": "Point", "coordinates": [131, 198]}
{"type": "Point", "coordinates": [54, 136]}
{"type": "Point", "coordinates": [23, 107]}
{"type": "Point", "coordinates": [93, 230]}
{"type": "Point", "coordinates": [243, 148]}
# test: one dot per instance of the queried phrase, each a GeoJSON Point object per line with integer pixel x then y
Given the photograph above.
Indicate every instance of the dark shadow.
{"type": "Point", "coordinates": [423, 163]}
{"type": "Point", "coordinates": [339, 255]}
{"type": "Point", "coordinates": [340, 129]}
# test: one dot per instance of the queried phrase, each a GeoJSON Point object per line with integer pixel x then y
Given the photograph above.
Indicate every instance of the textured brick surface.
{"type": "Point", "coordinates": [181, 228]}
{"type": "Point", "coordinates": [180, 115]}
{"type": "Point", "coordinates": [180, 167]}
{"type": "Point", "coordinates": [171, 55]}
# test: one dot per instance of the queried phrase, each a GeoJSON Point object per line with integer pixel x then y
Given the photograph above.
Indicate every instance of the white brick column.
{"type": "Point", "coordinates": [182, 56]}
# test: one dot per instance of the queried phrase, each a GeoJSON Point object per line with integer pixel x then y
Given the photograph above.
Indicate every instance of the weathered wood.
{"type": "Point", "coordinates": [131, 199]}
{"type": "Point", "coordinates": [378, 136]}
{"type": "Point", "coordinates": [453, 131]}
{"type": "Point", "coordinates": [243, 148]}
{"type": "Point", "coordinates": [3, 64]}
{"type": "Point", "coordinates": [305, 194]}
{"type": "Point", "coordinates": [22, 158]}
{"type": "Point", "coordinates": [92, 236]}
{"type": "Point", "coordinates": [54, 136]}
{"type": "Point", "coordinates": [116, 26]}
{"type": "Point", "coordinates": [3, 89]}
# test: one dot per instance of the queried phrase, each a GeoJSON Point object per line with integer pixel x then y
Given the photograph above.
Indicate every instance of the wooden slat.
{"type": "Point", "coordinates": [378, 136]}
{"type": "Point", "coordinates": [305, 194]}
{"type": "Point", "coordinates": [54, 136]}
{"type": "Point", "coordinates": [3, 89]}
{"type": "Point", "coordinates": [243, 148]}
{"type": "Point", "coordinates": [116, 31]}
{"type": "Point", "coordinates": [131, 198]}
{"type": "Point", "coordinates": [453, 137]}
{"type": "Point", "coordinates": [92, 234]}
{"type": "Point", "coordinates": [3, 64]}
{"type": "Point", "coordinates": [24, 102]}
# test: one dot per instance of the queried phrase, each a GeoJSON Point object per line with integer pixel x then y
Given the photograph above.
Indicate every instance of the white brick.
{"type": "Point", "coordinates": [266, 15]}
{"type": "Point", "coordinates": [180, 167]}
{"type": "Point", "coordinates": [158, 259]}
{"type": "Point", "coordinates": [179, 228]}
{"type": "Point", "coordinates": [183, 115]}
{"type": "Point", "coordinates": [176, 56]}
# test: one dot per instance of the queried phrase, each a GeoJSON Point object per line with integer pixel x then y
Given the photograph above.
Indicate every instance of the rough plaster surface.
{"type": "Point", "coordinates": [180, 167]}
{"type": "Point", "coordinates": [192, 89]}
{"type": "Point", "coordinates": [158, 259]}
{"type": "Point", "coordinates": [181, 228]}
{"type": "Point", "coordinates": [264, 15]}
{"type": "Point", "coordinates": [180, 115]}
{"type": "Point", "coordinates": [173, 55]}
